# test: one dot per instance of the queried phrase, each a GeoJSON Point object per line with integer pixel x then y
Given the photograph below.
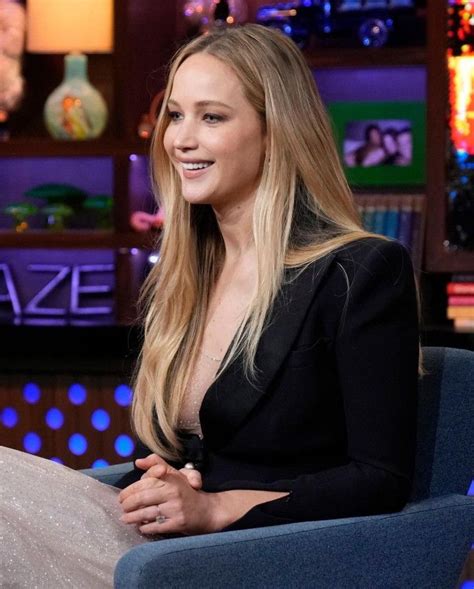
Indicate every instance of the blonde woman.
{"type": "Point", "coordinates": [281, 341]}
{"type": "Point", "coordinates": [277, 380]}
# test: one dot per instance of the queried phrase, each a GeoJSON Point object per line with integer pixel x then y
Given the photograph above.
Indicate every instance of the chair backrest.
{"type": "Point", "coordinates": [445, 447]}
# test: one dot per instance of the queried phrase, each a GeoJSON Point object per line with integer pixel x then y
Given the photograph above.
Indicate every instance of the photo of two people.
{"type": "Point", "coordinates": [386, 142]}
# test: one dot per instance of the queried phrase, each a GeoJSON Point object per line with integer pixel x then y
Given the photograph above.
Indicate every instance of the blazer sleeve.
{"type": "Point", "coordinates": [376, 352]}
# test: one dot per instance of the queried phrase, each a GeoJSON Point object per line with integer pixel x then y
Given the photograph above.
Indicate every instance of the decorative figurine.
{"type": "Point", "coordinates": [75, 110]}
{"type": "Point", "coordinates": [65, 202]}
{"type": "Point", "coordinates": [20, 212]}
{"type": "Point", "coordinates": [12, 33]}
{"type": "Point", "coordinates": [143, 222]}
{"type": "Point", "coordinates": [56, 215]}
{"type": "Point", "coordinates": [100, 206]}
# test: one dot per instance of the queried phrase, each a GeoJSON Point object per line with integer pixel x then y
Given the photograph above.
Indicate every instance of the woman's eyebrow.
{"type": "Point", "coordinates": [202, 103]}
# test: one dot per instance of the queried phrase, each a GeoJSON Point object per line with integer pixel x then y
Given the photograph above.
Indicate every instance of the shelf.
{"type": "Point", "coordinates": [100, 349]}
{"type": "Point", "coordinates": [336, 57]}
{"type": "Point", "coordinates": [72, 239]}
{"type": "Point", "coordinates": [45, 147]}
{"type": "Point", "coordinates": [447, 336]}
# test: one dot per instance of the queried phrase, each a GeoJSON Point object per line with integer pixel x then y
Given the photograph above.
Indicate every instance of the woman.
{"type": "Point", "coordinates": [277, 380]}
{"type": "Point", "coordinates": [371, 152]}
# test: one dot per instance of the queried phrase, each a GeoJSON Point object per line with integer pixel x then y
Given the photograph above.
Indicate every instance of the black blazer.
{"type": "Point", "coordinates": [332, 416]}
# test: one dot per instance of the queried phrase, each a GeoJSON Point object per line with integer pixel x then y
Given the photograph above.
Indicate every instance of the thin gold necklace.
{"type": "Point", "coordinates": [213, 358]}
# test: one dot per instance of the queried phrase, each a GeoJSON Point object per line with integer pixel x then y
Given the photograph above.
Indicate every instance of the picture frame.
{"type": "Point", "coordinates": [381, 143]}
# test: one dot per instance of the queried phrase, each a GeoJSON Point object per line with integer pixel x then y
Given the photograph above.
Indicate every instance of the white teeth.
{"type": "Point", "coordinates": [200, 166]}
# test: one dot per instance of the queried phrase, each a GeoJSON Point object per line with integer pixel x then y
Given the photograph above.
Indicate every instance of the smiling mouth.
{"type": "Point", "coordinates": [196, 166]}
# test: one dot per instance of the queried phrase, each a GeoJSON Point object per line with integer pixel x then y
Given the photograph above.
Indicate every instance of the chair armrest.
{"type": "Point", "coordinates": [110, 474]}
{"type": "Point", "coordinates": [423, 546]}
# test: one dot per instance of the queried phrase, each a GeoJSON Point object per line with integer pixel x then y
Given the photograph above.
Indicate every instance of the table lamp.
{"type": "Point", "coordinates": [75, 110]}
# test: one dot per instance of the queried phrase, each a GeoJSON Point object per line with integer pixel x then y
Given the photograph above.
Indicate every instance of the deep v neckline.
{"type": "Point", "coordinates": [190, 418]}
{"type": "Point", "coordinates": [226, 314]}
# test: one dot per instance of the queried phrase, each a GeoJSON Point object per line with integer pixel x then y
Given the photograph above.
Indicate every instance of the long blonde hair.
{"type": "Point", "coordinates": [303, 210]}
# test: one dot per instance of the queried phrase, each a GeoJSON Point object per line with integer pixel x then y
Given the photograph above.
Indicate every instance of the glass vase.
{"type": "Point", "coordinates": [75, 110]}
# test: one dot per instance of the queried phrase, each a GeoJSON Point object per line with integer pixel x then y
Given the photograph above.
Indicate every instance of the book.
{"type": "Point", "coordinates": [464, 324]}
{"type": "Point", "coordinates": [379, 219]}
{"type": "Point", "coordinates": [460, 300]}
{"type": "Point", "coordinates": [460, 288]}
{"type": "Point", "coordinates": [466, 312]}
{"type": "Point", "coordinates": [463, 278]}
{"type": "Point", "coordinates": [369, 217]}
{"type": "Point", "coordinates": [396, 216]}
{"type": "Point", "coordinates": [417, 230]}
{"type": "Point", "coordinates": [391, 220]}
{"type": "Point", "coordinates": [405, 227]}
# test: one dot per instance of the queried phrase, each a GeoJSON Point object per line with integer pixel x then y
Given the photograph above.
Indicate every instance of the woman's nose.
{"type": "Point", "coordinates": [186, 137]}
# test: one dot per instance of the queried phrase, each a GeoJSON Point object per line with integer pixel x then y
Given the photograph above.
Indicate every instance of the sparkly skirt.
{"type": "Point", "coordinates": [58, 527]}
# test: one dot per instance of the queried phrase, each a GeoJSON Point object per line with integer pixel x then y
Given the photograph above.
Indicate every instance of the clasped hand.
{"type": "Point", "coordinates": [175, 495]}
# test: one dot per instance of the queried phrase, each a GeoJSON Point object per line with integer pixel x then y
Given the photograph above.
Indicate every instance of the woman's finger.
{"type": "Point", "coordinates": [149, 461]}
{"type": "Point", "coordinates": [145, 498]}
{"type": "Point", "coordinates": [193, 477]}
{"type": "Point", "coordinates": [139, 486]}
{"type": "Point", "coordinates": [167, 525]}
{"type": "Point", "coordinates": [141, 516]}
{"type": "Point", "coordinates": [158, 471]}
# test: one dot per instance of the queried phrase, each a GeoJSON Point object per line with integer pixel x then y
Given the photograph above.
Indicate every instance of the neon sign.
{"type": "Point", "coordinates": [59, 276]}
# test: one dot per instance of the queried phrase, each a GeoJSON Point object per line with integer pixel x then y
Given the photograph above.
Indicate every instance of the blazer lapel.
{"type": "Point", "coordinates": [231, 397]}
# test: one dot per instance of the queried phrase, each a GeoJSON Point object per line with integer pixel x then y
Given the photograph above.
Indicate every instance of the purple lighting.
{"type": "Point", "coordinates": [372, 84]}
{"type": "Point", "coordinates": [31, 392]}
{"type": "Point", "coordinates": [100, 420]}
{"type": "Point", "coordinates": [77, 444]}
{"type": "Point", "coordinates": [55, 418]}
{"type": "Point", "coordinates": [124, 445]}
{"type": "Point", "coordinates": [100, 463]}
{"type": "Point", "coordinates": [32, 443]}
{"type": "Point", "coordinates": [9, 417]}
{"type": "Point", "coordinates": [77, 394]}
{"type": "Point", "coordinates": [123, 395]}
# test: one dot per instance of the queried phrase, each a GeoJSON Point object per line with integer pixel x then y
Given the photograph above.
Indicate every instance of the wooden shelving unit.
{"type": "Point", "coordinates": [146, 35]}
{"type": "Point", "coordinates": [329, 57]}
{"type": "Point", "coordinates": [45, 147]}
{"type": "Point", "coordinates": [72, 239]}
{"type": "Point", "coordinates": [145, 38]}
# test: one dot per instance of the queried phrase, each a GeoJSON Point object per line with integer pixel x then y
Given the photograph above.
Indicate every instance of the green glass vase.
{"type": "Point", "coordinates": [75, 110]}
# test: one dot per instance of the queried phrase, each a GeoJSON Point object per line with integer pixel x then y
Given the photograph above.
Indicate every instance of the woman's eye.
{"type": "Point", "coordinates": [174, 115]}
{"type": "Point", "coordinates": [211, 118]}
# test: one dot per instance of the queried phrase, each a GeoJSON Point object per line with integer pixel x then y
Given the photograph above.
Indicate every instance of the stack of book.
{"type": "Point", "coordinates": [461, 301]}
{"type": "Point", "coordinates": [399, 216]}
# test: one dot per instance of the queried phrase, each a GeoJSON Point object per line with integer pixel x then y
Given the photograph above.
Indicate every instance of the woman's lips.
{"type": "Point", "coordinates": [191, 174]}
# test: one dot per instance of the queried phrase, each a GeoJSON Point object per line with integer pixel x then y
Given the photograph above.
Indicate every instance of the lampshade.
{"type": "Point", "coordinates": [63, 26]}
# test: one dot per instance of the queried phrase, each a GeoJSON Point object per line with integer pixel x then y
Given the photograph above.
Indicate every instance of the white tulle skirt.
{"type": "Point", "coordinates": [58, 527]}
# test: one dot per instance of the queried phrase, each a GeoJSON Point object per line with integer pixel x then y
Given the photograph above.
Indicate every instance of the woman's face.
{"type": "Point", "coordinates": [375, 136]}
{"type": "Point", "coordinates": [390, 143]}
{"type": "Point", "coordinates": [215, 138]}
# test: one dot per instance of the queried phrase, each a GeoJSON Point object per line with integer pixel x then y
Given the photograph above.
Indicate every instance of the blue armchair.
{"type": "Point", "coordinates": [423, 546]}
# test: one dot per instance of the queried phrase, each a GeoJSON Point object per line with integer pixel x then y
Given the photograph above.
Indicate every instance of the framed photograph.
{"type": "Point", "coordinates": [381, 143]}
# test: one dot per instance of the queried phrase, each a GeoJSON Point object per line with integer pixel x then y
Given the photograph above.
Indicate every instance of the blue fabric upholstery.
{"type": "Point", "coordinates": [423, 546]}
{"type": "Point", "coordinates": [445, 448]}
{"type": "Point", "coordinates": [110, 474]}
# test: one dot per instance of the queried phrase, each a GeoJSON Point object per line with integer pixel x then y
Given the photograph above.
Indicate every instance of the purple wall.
{"type": "Point", "coordinates": [372, 84]}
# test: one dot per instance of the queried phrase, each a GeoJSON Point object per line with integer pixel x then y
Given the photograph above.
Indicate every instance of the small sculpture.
{"type": "Point", "coordinates": [20, 212]}
{"type": "Point", "coordinates": [142, 221]}
{"type": "Point", "coordinates": [12, 33]}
